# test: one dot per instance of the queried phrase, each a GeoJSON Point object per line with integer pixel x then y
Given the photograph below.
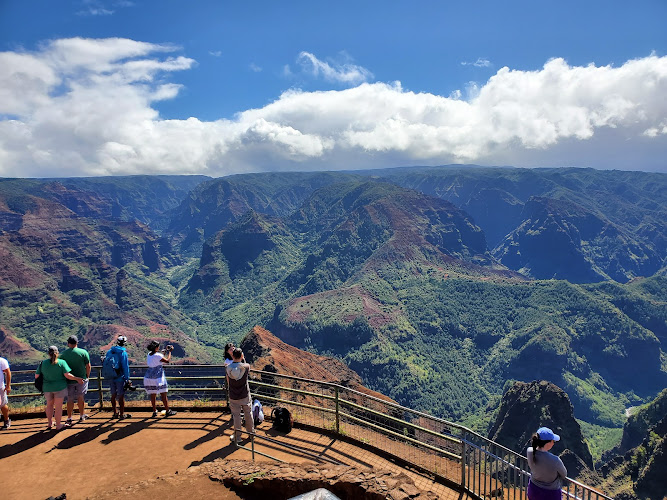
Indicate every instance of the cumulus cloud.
{"type": "Point", "coordinates": [87, 107]}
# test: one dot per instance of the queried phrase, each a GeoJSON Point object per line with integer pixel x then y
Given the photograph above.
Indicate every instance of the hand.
{"type": "Point", "coordinates": [8, 389]}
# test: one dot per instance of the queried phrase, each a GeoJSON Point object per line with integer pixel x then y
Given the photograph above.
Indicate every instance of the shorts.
{"type": "Point", "coordinates": [117, 387]}
{"type": "Point", "coordinates": [3, 398]}
{"type": "Point", "coordinates": [76, 390]}
{"type": "Point", "coordinates": [50, 396]}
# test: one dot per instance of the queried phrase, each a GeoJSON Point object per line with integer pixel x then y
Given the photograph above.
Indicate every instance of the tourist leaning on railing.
{"type": "Point", "coordinates": [547, 471]}
{"type": "Point", "coordinates": [56, 372]}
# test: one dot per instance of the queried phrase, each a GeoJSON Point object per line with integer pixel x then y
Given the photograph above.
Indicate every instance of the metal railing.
{"type": "Point", "coordinates": [451, 453]}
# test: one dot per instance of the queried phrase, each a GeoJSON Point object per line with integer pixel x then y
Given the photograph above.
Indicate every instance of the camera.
{"type": "Point", "coordinates": [169, 348]}
{"type": "Point", "coordinates": [128, 386]}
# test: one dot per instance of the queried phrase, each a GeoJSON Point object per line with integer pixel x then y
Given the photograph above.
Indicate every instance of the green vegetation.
{"type": "Point", "coordinates": [600, 439]}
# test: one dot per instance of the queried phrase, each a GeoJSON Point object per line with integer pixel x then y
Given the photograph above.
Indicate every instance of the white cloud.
{"type": "Point", "coordinates": [345, 73]}
{"type": "Point", "coordinates": [253, 67]}
{"type": "Point", "coordinates": [481, 62]}
{"type": "Point", "coordinates": [86, 107]}
{"type": "Point", "coordinates": [215, 53]}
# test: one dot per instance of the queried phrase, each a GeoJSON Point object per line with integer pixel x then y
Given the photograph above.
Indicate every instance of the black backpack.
{"type": "Point", "coordinates": [282, 419]}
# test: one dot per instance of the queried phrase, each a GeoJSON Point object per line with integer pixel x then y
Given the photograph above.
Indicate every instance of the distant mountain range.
{"type": "Point", "coordinates": [438, 285]}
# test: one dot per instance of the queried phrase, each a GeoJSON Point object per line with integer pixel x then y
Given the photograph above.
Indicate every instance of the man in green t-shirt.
{"type": "Point", "coordinates": [79, 362]}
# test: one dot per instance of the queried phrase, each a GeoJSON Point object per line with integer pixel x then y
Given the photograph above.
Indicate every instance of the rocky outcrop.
{"type": "Point", "coordinates": [264, 351]}
{"type": "Point", "coordinates": [261, 480]}
{"type": "Point", "coordinates": [526, 407]}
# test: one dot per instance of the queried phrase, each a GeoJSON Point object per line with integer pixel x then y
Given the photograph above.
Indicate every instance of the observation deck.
{"type": "Point", "coordinates": [103, 457]}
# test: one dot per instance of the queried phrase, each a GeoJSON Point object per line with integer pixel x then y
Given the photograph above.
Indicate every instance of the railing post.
{"type": "Point", "coordinates": [337, 412]}
{"type": "Point", "coordinates": [463, 463]}
{"type": "Point", "coordinates": [99, 387]}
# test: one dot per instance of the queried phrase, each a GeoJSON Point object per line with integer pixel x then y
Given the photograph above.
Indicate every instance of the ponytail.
{"type": "Point", "coordinates": [537, 443]}
{"type": "Point", "coordinates": [53, 354]}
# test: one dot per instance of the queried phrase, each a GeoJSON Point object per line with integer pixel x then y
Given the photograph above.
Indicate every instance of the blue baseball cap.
{"type": "Point", "coordinates": [547, 434]}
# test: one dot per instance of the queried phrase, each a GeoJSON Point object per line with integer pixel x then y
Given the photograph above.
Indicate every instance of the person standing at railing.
{"type": "Point", "coordinates": [5, 389]}
{"type": "Point", "coordinates": [155, 381]}
{"type": "Point", "coordinates": [79, 361]}
{"type": "Point", "coordinates": [547, 470]}
{"type": "Point", "coordinates": [239, 394]}
{"type": "Point", "coordinates": [56, 373]}
{"type": "Point", "coordinates": [121, 382]}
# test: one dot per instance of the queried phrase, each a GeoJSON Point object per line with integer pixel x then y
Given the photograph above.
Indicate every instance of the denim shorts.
{"type": "Point", "coordinates": [117, 387]}
{"type": "Point", "coordinates": [76, 390]}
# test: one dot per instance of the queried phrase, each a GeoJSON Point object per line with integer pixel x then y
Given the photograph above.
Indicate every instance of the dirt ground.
{"type": "Point", "coordinates": [141, 457]}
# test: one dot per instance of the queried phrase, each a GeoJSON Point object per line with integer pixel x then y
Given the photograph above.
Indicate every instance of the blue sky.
{"type": "Point", "coordinates": [111, 87]}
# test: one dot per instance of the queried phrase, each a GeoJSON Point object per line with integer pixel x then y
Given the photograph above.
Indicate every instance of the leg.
{"type": "Point", "coordinates": [49, 411]}
{"type": "Point", "coordinates": [82, 405]}
{"type": "Point", "coordinates": [235, 407]}
{"type": "Point", "coordinates": [249, 423]}
{"type": "Point", "coordinates": [5, 412]}
{"type": "Point", "coordinates": [113, 403]}
{"type": "Point", "coordinates": [70, 407]}
{"type": "Point", "coordinates": [58, 411]}
{"type": "Point", "coordinates": [165, 402]}
{"type": "Point", "coordinates": [121, 404]}
{"type": "Point", "coordinates": [154, 401]}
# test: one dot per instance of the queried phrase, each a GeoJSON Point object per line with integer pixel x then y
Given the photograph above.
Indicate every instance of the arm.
{"type": "Point", "coordinates": [126, 366]}
{"type": "Point", "coordinates": [167, 358]}
{"type": "Point", "coordinates": [72, 377]}
{"type": "Point", "coordinates": [88, 368]}
{"type": "Point", "coordinates": [8, 383]}
{"type": "Point", "coordinates": [560, 468]}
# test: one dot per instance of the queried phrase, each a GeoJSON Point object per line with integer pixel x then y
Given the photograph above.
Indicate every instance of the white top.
{"type": "Point", "coordinates": [4, 365]}
{"type": "Point", "coordinates": [153, 360]}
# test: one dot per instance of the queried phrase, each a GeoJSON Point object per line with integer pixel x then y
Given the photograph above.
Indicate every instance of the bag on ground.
{"type": "Point", "coordinates": [110, 366]}
{"type": "Point", "coordinates": [257, 412]}
{"type": "Point", "coordinates": [282, 419]}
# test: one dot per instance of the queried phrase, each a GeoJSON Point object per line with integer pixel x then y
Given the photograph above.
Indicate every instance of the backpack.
{"type": "Point", "coordinates": [110, 365]}
{"type": "Point", "coordinates": [282, 419]}
{"type": "Point", "coordinates": [257, 412]}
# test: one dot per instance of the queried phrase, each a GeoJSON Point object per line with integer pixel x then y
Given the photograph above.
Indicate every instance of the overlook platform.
{"type": "Point", "coordinates": [145, 457]}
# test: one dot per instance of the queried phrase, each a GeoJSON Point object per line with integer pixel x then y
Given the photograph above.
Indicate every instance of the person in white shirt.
{"type": "Point", "coordinates": [155, 381]}
{"type": "Point", "coordinates": [5, 389]}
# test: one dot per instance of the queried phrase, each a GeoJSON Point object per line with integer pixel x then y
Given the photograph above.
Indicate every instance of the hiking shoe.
{"type": "Point", "coordinates": [170, 413]}
{"type": "Point", "coordinates": [154, 413]}
{"type": "Point", "coordinates": [124, 416]}
{"type": "Point", "coordinates": [7, 424]}
{"type": "Point", "coordinates": [68, 421]}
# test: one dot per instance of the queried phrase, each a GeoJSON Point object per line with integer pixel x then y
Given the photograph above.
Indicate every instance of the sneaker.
{"type": "Point", "coordinates": [231, 439]}
{"type": "Point", "coordinates": [155, 414]}
{"type": "Point", "coordinates": [124, 416]}
{"type": "Point", "coordinates": [170, 413]}
{"type": "Point", "coordinates": [8, 423]}
{"type": "Point", "coordinates": [115, 415]}
{"type": "Point", "coordinates": [84, 417]}
{"type": "Point", "coordinates": [68, 421]}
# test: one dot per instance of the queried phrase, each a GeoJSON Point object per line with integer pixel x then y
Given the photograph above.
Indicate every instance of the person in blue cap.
{"type": "Point", "coordinates": [547, 470]}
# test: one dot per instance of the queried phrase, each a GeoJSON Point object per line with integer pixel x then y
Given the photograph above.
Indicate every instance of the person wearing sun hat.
{"type": "Point", "coordinates": [547, 470]}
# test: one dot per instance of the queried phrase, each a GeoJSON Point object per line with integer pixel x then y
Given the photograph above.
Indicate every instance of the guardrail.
{"type": "Point", "coordinates": [453, 454]}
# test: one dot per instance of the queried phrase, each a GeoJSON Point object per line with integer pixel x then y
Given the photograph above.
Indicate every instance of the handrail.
{"type": "Point", "coordinates": [427, 443]}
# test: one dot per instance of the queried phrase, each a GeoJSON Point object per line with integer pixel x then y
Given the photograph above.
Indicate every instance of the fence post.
{"type": "Point", "coordinates": [464, 459]}
{"type": "Point", "coordinates": [337, 412]}
{"type": "Point", "coordinates": [99, 387]}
